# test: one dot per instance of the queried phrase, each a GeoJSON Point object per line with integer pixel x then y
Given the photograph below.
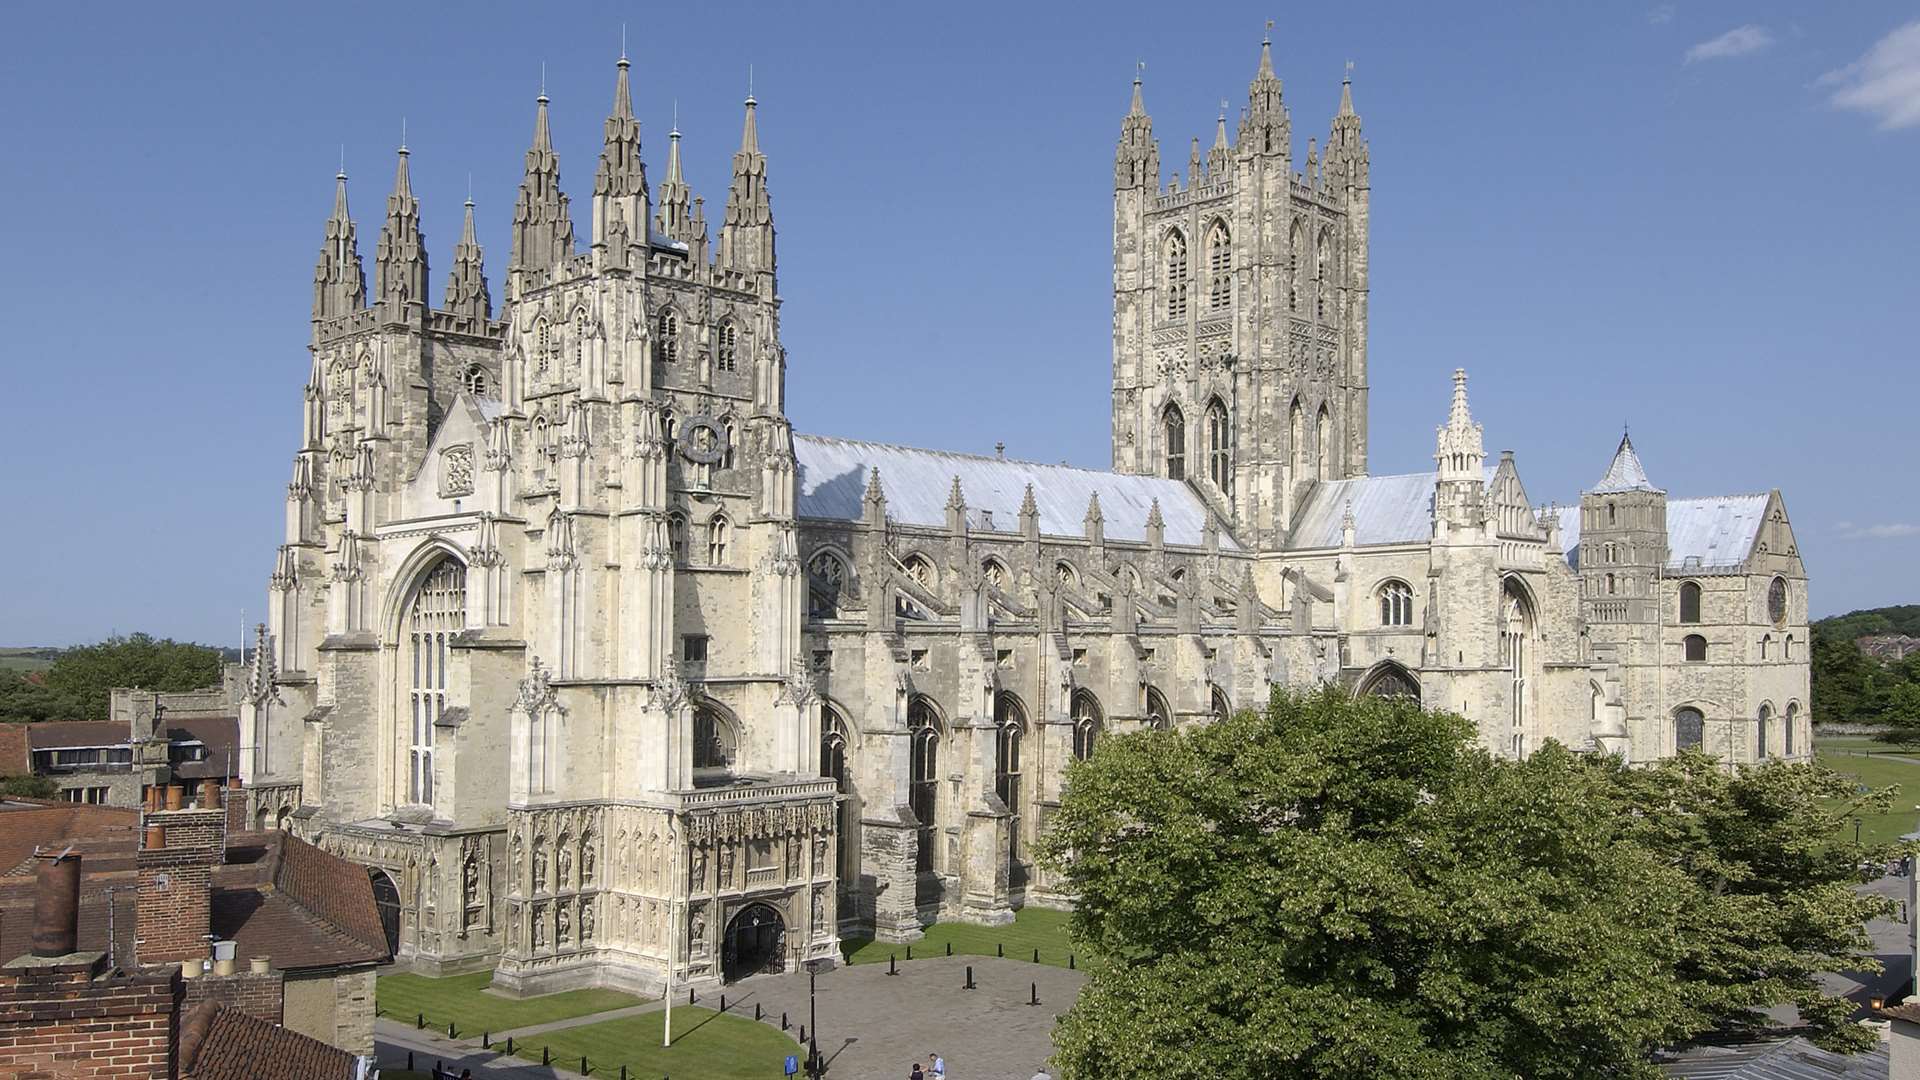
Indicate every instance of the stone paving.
{"type": "Point", "coordinates": [872, 1025]}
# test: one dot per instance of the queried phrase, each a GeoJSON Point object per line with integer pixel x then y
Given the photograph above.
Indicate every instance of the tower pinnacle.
{"type": "Point", "coordinates": [620, 183]}
{"type": "Point", "coordinates": [746, 232]}
{"type": "Point", "coordinates": [467, 294]}
{"type": "Point", "coordinates": [542, 218]}
{"type": "Point", "coordinates": [339, 279]}
{"type": "Point", "coordinates": [400, 260]}
{"type": "Point", "coordinates": [1458, 445]}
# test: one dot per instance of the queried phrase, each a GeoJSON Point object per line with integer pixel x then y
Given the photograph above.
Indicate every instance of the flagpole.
{"type": "Point", "coordinates": [673, 938]}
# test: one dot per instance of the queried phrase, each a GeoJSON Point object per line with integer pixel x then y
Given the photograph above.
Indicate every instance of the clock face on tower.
{"type": "Point", "coordinates": [701, 441]}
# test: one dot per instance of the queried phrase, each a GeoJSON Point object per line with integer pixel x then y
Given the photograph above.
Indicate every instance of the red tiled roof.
{"type": "Point", "coordinates": [332, 888]}
{"type": "Point", "coordinates": [225, 1044]}
{"type": "Point", "coordinates": [295, 904]}
{"type": "Point", "coordinates": [27, 823]}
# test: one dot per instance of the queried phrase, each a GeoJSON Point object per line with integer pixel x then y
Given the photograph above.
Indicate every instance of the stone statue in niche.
{"type": "Point", "coordinates": [539, 928]}
{"type": "Point", "coordinates": [697, 928]}
{"type": "Point", "coordinates": [517, 856]}
{"type": "Point", "coordinates": [562, 879]}
{"type": "Point", "coordinates": [513, 931]}
{"type": "Point", "coordinates": [539, 866]}
{"type": "Point", "coordinates": [819, 912]}
{"type": "Point", "coordinates": [698, 881]}
{"type": "Point", "coordinates": [586, 923]}
{"type": "Point", "coordinates": [560, 935]}
{"type": "Point", "coordinates": [793, 856]}
{"type": "Point", "coordinates": [819, 856]}
{"type": "Point", "coordinates": [726, 867]}
{"type": "Point", "coordinates": [586, 862]}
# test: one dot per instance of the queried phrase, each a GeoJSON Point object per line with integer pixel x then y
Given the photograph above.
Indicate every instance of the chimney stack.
{"type": "Point", "coordinates": [56, 905]}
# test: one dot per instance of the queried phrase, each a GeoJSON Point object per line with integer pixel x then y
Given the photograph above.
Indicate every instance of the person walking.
{"type": "Point", "coordinates": [936, 1067]}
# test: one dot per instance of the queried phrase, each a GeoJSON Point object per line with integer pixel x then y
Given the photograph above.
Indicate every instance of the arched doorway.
{"type": "Point", "coordinates": [756, 943]}
{"type": "Point", "coordinates": [386, 899]}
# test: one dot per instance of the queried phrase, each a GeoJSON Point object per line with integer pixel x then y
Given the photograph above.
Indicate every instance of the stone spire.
{"type": "Point", "coordinates": [746, 232]}
{"type": "Point", "coordinates": [1624, 473]}
{"type": "Point", "coordinates": [400, 261]}
{"type": "Point", "coordinates": [1458, 449]}
{"type": "Point", "coordinates": [620, 183]}
{"type": "Point", "coordinates": [467, 294]}
{"type": "Point", "coordinates": [1266, 128]}
{"type": "Point", "coordinates": [1221, 150]}
{"type": "Point", "coordinates": [1137, 161]}
{"type": "Point", "coordinates": [1094, 525]}
{"type": "Point", "coordinates": [675, 214]}
{"type": "Point", "coordinates": [339, 279]}
{"type": "Point", "coordinates": [542, 218]}
{"type": "Point", "coordinates": [1347, 157]}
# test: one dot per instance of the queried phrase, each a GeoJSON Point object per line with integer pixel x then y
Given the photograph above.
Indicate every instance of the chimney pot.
{"type": "Point", "coordinates": [156, 837]}
{"type": "Point", "coordinates": [174, 796]}
{"type": "Point", "coordinates": [56, 905]}
{"type": "Point", "coordinates": [209, 795]}
{"type": "Point", "coordinates": [259, 965]}
{"type": "Point", "coordinates": [192, 969]}
{"type": "Point", "coordinates": [223, 967]}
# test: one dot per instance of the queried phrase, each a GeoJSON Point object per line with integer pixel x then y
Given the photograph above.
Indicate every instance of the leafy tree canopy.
{"type": "Point", "coordinates": [1338, 887]}
{"type": "Point", "coordinates": [29, 787]}
{"type": "Point", "coordinates": [76, 686]}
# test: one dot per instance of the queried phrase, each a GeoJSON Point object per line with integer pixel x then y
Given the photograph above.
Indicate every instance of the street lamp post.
{"type": "Point", "coordinates": [813, 1019]}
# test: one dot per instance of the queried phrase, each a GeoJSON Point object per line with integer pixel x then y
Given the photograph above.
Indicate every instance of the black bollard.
{"type": "Point", "coordinates": [545, 1057]}
{"type": "Point", "coordinates": [410, 1061]}
{"type": "Point", "coordinates": [509, 1046]}
{"type": "Point", "coordinates": [1035, 999]}
{"type": "Point", "coordinates": [969, 985]}
{"type": "Point", "coordinates": [1070, 962]}
{"type": "Point", "coordinates": [999, 951]}
{"type": "Point", "coordinates": [419, 1021]}
{"type": "Point", "coordinates": [723, 1003]}
{"type": "Point", "coordinates": [803, 1034]}
{"type": "Point", "coordinates": [691, 996]}
{"type": "Point", "coordinates": [949, 948]}
{"type": "Point", "coordinates": [756, 1010]}
{"type": "Point", "coordinates": [450, 1033]}
{"type": "Point", "coordinates": [909, 952]}
{"type": "Point", "coordinates": [783, 1021]}
{"type": "Point", "coordinates": [583, 1066]}
{"type": "Point", "coordinates": [891, 969]}
{"type": "Point", "coordinates": [1036, 956]}
{"type": "Point", "coordinates": [623, 1072]}
{"type": "Point", "coordinates": [486, 1040]}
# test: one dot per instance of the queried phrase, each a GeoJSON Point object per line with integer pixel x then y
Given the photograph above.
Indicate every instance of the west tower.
{"type": "Point", "coordinates": [1240, 310]}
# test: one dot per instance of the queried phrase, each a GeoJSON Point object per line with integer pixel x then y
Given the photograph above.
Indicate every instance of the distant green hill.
{"type": "Point", "coordinates": [27, 658]}
{"type": "Point", "coordinates": [1848, 685]}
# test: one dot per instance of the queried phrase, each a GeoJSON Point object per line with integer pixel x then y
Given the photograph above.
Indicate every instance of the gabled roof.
{"type": "Point", "coordinates": [1386, 510]}
{"type": "Point", "coordinates": [833, 482]}
{"type": "Point", "coordinates": [1783, 1059]}
{"type": "Point", "coordinates": [296, 904]}
{"type": "Point", "coordinates": [219, 1043]}
{"type": "Point", "coordinates": [1713, 533]}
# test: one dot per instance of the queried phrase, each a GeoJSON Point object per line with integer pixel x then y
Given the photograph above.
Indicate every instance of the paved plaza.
{"type": "Point", "coordinates": [872, 1025]}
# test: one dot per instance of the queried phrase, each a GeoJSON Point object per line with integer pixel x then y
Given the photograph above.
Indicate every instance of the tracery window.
{"type": "Point", "coordinates": [543, 347]}
{"type": "Point", "coordinates": [1396, 604]}
{"type": "Point", "coordinates": [1222, 708]}
{"type": "Point", "coordinates": [1087, 724]}
{"type": "Point", "coordinates": [1174, 431]}
{"type": "Point", "coordinates": [923, 790]}
{"type": "Point", "coordinates": [1219, 267]}
{"type": "Point", "coordinates": [1159, 717]}
{"type": "Point", "coordinates": [669, 426]}
{"type": "Point", "coordinates": [1010, 727]}
{"type": "Point", "coordinates": [724, 349]}
{"type": "Point", "coordinates": [833, 764]}
{"type": "Point", "coordinates": [730, 435]}
{"type": "Point", "coordinates": [475, 380]}
{"type": "Point", "coordinates": [826, 580]}
{"type": "Point", "coordinates": [438, 612]}
{"type": "Point", "coordinates": [1689, 602]}
{"type": "Point", "coordinates": [1176, 275]}
{"type": "Point", "coordinates": [666, 341]}
{"type": "Point", "coordinates": [1297, 439]}
{"type": "Point", "coordinates": [1220, 447]}
{"type": "Point", "coordinates": [920, 569]}
{"type": "Point", "coordinates": [1066, 574]}
{"type": "Point", "coordinates": [718, 535]}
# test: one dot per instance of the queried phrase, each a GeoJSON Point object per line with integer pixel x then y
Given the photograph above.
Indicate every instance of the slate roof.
{"type": "Point", "coordinates": [220, 735]}
{"type": "Point", "coordinates": [833, 484]}
{"type": "Point", "coordinates": [1717, 532]}
{"type": "Point", "coordinates": [218, 1043]}
{"type": "Point", "coordinates": [1386, 510]}
{"type": "Point", "coordinates": [1784, 1059]}
{"type": "Point", "coordinates": [1625, 473]}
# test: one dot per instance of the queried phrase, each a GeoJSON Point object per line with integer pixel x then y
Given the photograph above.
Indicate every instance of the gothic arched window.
{"type": "Point", "coordinates": [666, 341]}
{"type": "Point", "coordinates": [1173, 428]}
{"type": "Point", "coordinates": [826, 579]}
{"type": "Point", "coordinates": [1222, 708]}
{"type": "Point", "coordinates": [1396, 604]}
{"type": "Point", "coordinates": [1689, 602]}
{"type": "Point", "coordinates": [833, 764]}
{"type": "Point", "coordinates": [923, 783]}
{"type": "Point", "coordinates": [475, 380]}
{"type": "Point", "coordinates": [1159, 717]}
{"type": "Point", "coordinates": [1323, 443]}
{"type": "Point", "coordinates": [544, 347]}
{"type": "Point", "coordinates": [1176, 275]}
{"type": "Point", "coordinates": [729, 435]}
{"type": "Point", "coordinates": [718, 536]}
{"type": "Point", "coordinates": [1219, 267]}
{"type": "Point", "coordinates": [438, 612]}
{"type": "Point", "coordinates": [1010, 727]}
{"type": "Point", "coordinates": [1087, 723]}
{"type": "Point", "coordinates": [725, 347]}
{"type": "Point", "coordinates": [1294, 241]}
{"type": "Point", "coordinates": [677, 536]}
{"type": "Point", "coordinates": [1220, 447]}
{"type": "Point", "coordinates": [713, 739]}
{"type": "Point", "coordinates": [1322, 260]}
{"type": "Point", "coordinates": [1297, 439]}
{"type": "Point", "coordinates": [1789, 731]}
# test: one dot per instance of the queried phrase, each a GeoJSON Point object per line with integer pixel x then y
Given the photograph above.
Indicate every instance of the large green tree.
{"type": "Point", "coordinates": [76, 686]}
{"type": "Point", "coordinates": [1337, 887]}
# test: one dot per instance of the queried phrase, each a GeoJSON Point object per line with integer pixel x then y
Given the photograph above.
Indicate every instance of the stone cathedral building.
{"type": "Point", "coordinates": [605, 672]}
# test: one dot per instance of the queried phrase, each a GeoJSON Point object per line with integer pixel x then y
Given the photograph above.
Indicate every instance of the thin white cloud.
{"type": "Point", "coordinates": [1885, 82]}
{"type": "Point", "coordinates": [1661, 15]}
{"type": "Point", "coordinates": [1738, 41]}
{"type": "Point", "coordinates": [1890, 531]}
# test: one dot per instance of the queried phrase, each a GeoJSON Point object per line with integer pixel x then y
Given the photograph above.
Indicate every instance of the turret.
{"type": "Point", "coordinates": [620, 183]}
{"type": "Point", "coordinates": [746, 233]}
{"type": "Point", "coordinates": [1221, 153]}
{"type": "Point", "coordinates": [542, 218]}
{"type": "Point", "coordinates": [1136, 163]}
{"type": "Point", "coordinates": [675, 215]}
{"type": "Point", "coordinates": [1623, 541]}
{"type": "Point", "coordinates": [339, 279]}
{"type": "Point", "coordinates": [400, 262]}
{"type": "Point", "coordinates": [1346, 162]}
{"type": "Point", "coordinates": [1265, 129]}
{"type": "Point", "coordinates": [467, 295]}
{"type": "Point", "coordinates": [1460, 495]}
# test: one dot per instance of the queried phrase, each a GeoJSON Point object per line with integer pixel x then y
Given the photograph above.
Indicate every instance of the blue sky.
{"type": "Point", "coordinates": [1699, 219]}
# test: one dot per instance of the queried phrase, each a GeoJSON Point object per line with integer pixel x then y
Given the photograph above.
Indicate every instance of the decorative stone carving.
{"type": "Point", "coordinates": [456, 471]}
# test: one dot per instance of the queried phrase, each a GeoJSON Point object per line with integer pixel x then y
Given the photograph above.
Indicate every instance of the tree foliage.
{"type": "Point", "coordinates": [76, 686]}
{"type": "Point", "coordinates": [29, 787]}
{"type": "Point", "coordinates": [1338, 887]}
{"type": "Point", "coordinates": [1850, 686]}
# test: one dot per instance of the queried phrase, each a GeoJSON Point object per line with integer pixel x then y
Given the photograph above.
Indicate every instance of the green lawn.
{"type": "Point", "coordinates": [1878, 771]}
{"type": "Point", "coordinates": [463, 1000]}
{"type": "Point", "coordinates": [706, 1045]}
{"type": "Point", "coordinates": [1033, 928]}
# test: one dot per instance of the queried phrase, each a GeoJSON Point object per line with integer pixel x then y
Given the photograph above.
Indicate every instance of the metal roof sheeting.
{"type": "Point", "coordinates": [1386, 510]}
{"type": "Point", "coordinates": [833, 484]}
{"type": "Point", "coordinates": [1702, 534]}
{"type": "Point", "coordinates": [1786, 1059]}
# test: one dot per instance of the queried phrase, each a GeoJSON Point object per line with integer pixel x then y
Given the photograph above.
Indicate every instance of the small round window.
{"type": "Point", "coordinates": [1777, 601]}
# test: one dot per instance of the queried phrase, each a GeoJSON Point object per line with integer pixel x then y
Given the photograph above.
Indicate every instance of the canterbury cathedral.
{"type": "Point", "coordinates": [611, 677]}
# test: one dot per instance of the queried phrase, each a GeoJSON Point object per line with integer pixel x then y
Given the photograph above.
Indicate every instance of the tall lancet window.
{"type": "Point", "coordinates": [923, 783]}
{"type": "Point", "coordinates": [1219, 267]}
{"type": "Point", "coordinates": [666, 340]}
{"type": "Point", "coordinates": [1173, 429]}
{"type": "Point", "coordinates": [725, 353]}
{"type": "Point", "coordinates": [1176, 275]}
{"type": "Point", "coordinates": [439, 611]}
{"type": "Point", "coordinates": [1220, 448]}
{"type": "Point", "coordinates": [718, 536]}
{"type": "Point", "coordinates": [1323, 443]}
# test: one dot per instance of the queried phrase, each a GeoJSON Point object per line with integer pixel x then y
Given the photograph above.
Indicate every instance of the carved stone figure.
{"type": "Point", "coordinates": [586, 923]}
{"type": "Point", "coordinates": [586, 861]}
